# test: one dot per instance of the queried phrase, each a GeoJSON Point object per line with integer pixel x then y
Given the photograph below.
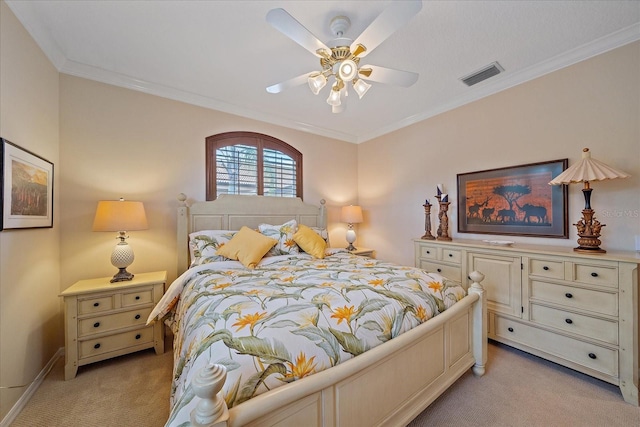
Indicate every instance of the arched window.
{"type": "Point", "coordinates": [252, 163]}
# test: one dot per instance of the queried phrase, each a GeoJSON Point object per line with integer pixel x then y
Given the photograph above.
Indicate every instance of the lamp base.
{"type": "Point", "coordinates": [121, 276]}
{"type": "Point", "coordinates": [589, 232]}
{"type": "Point", "coordinates": [351, 247]}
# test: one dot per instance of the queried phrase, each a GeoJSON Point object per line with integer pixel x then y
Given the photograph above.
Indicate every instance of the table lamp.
{"type": "Point", "coordinates": [120, 216]}
{"type": "Point", "coordinates": [587, 170]}
{"type": "Point", "coordinates": [351, 215]}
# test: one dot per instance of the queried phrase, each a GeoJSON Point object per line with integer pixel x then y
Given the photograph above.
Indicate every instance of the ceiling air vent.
{"type": "Point", "coordinates": [483, 74]}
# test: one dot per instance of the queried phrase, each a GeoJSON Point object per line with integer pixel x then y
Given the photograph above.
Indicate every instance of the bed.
{"type": "Point", "coordinates": [402, 335]}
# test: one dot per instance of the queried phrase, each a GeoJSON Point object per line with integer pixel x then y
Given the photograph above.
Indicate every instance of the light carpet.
{"type": "Point", "coordinates": [517, 390]}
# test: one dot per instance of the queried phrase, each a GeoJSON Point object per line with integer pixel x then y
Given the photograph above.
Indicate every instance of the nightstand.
{"type": "Point", "coordinates": [105, 320]}
{"type": "Point", "coordinates": [366, 252]}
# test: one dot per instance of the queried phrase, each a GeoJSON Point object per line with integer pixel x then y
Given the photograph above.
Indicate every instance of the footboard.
{"type": "Point", "coordinates": [388, 385]}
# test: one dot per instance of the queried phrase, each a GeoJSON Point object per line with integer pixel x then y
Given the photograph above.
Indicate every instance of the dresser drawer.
{"type": "Point", "coordinates": [575, 298]}
{"type": "Point", "coordinates": [141, 296]}
{"type": "Point", "coordinates": [589, 355]}
{"type": "Point", "coordinates": [451, 255]}
{"type": "Point", "coordinates": [95, 305]}
{"type": "Point", "coordinates": [449, 272]}
{"type": "Point", "coordinates": [97, 346]}
{"type": "Point", "coordinates": [590, 327]}
{"type": "Point", "coordinates": [106, 323]}
{"type": "Point", "coordinates": [596, 275]}
{"type": "Point", "coordinates": [428, 252]}
{"type": "Point", "coordinates": [546, 268]}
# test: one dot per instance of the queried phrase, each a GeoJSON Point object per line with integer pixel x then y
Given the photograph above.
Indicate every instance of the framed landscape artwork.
{"type": "Point", "coordinates": [26, 188]}
{"type": "Point", "coordinates": [514, 201]}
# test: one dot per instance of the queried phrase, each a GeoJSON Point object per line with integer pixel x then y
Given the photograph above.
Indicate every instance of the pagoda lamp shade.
{"type": "Point", "coordinates": [586, 170]}
{"type": "Point", "coordinates": [121, 216]}
{"type": "Point", "coordinates": [351, 215]}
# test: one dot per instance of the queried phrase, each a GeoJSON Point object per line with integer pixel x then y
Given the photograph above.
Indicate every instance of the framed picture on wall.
{"type": "Point", "coordinates": [26, 188]}
{"type": "Point", "coordinates": [516, 201]}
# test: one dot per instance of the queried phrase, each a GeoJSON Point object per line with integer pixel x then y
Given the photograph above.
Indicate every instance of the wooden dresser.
{"type": "Point", "coordinates": [104, 320]}
{"type": "Point", "coordinates": [578, 310]}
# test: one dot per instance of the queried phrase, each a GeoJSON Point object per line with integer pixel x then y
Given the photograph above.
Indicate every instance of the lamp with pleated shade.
{"type": "Point", "coordinates": [121, 216]}
{"type": "Point", "coordinates": [586, 170]}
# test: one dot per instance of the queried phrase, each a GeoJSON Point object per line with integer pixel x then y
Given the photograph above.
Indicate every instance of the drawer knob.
{"type": "Point", "coordinates": [568, 295]}
{"type": "Point", "coordinates": [137, 316]}
{"type": "Point", "coordinates": [594, 274]}
{"type": "Point", "coordinates": [96, 325]}
{"type": "Point", "coordinates": [439, 270]}
{"type": "Point", "coordinates": [569, 321]}
{"type": "Point", "coordinates": [510, 329]}
{"type": "Point", "coordinates": [428, 252]}
{"type": "Point", "coordinates": [97, 346]}
{"type": "Point", "coordinates": [545, 268]}
{"type": "Point", "coordinates": [450, 255]}
{"type": "Point", "coordinates": [96, 304]}
{"type": "Point", "coordinates": [138, 336]}
{"type": "Point", "coordinates": [592, 356]}
{"type": "Point", "coordinates": [137, 297]}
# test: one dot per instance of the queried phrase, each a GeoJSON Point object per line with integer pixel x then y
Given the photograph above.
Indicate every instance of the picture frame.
{"type": "Point", "coordinates": [514, 201]}
{"type": "Point", "coordinates": [26, 188]}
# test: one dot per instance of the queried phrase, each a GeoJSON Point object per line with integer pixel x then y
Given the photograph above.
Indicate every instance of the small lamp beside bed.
{"type": "Point", "coordinates": [121, 216]}
{"type": "Point", "coordinates": [351, 215]}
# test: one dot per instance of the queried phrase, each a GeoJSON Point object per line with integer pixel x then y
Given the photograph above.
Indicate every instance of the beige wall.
{"type": "Point", "coordinates": [118, 142]}
{"type": "Point", "coordinates": [595, 104]}
{"type": "Point", "coordinates": [30, 316]}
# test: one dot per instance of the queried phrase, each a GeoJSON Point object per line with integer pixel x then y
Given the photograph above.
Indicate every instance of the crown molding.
{"type": "Point", "coordinates": [589, 50]}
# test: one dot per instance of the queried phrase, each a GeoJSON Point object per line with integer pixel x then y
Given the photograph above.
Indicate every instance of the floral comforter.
{"type": "Point", "coordinates": [290, 317]}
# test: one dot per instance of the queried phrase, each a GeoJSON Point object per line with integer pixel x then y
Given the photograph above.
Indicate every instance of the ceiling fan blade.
{"type": "Point", "coordinates": [388, 75]}
{"type": "Point", "coordinates": [296, 81]}
{"type": "Point", "coordinates": [398, 14]}
{"type": "Point", "coordinates": [290, 27]}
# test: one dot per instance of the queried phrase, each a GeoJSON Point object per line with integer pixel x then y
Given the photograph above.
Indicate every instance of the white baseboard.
{"type": "Point", "coordinates": [29, 392]}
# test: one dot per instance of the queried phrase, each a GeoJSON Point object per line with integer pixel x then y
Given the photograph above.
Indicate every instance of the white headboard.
{"type": "Point", "coordinates": [231, 212]}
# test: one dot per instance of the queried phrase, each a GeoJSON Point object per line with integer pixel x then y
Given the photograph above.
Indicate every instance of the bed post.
{"type": "Point", "coordinates": [323, 214]}
{"type": "Point", "coordinates": [211, 410]}
{"type": "Point", "coordinates": [183, 234]}
{"type": "Point", "coordinates": [479, 323]}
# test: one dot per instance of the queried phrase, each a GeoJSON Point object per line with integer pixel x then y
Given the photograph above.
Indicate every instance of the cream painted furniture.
{"type": "Point", "coordinates": [578, 310]}
{"type": "Point", "coordinates": [366, 252]}
{"type": "Point", "coordinates": [418, 365]}
{"type": "Point", "coordinates": [104, 320]}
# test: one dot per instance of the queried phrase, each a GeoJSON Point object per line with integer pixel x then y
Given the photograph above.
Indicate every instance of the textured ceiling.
{"type": "Point", "coordinates": [223, 54]}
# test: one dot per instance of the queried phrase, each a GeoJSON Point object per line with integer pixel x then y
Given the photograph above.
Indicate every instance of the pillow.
{"type": "Point", "coordinates": [284, 235]}
{"type": "Point", "coordinates": [310, 241]}
{"type": "Point", "coordinates": [247, 246]}
{"type": "Point", "coordinates": [204, 244]}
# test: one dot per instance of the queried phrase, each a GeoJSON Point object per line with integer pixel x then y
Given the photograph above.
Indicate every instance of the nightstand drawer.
{"type": "Point", "coordinates": [450, 255]}
{"type": "Point", "coordinates": [95, 305]}
{"type": "Point", "coordinates": [585, 354]}
{"type": "Point", "coordinates": [546, 268]}
{"type": "Point", "coordinates": [576, 298]}
{"type": "Point", "coordinates": [590, 327]}
{"type": "Point", "coordinates": [144, 296]}
{"type": "Point", "coordinates": [115, 342]}
{"type": "Point", "coordinates": [449, 272]}
{"type": "Point", "coordinates": [111, 322]}
{"type": "Point", "coordinates": [596, 275]}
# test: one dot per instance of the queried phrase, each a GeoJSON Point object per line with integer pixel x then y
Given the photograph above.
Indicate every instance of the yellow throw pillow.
{"type": "Point", "coordinates": [310, 241]}
{"type": "Point", "coordinates": [247, 246]}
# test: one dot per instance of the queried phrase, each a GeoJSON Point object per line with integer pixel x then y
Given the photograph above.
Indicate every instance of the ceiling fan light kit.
{"type": "Point", "coordinates": [341, 61]}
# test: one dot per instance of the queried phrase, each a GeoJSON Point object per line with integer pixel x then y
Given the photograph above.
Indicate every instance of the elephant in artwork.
{"type": "Point", "coordinates": [533, 211]}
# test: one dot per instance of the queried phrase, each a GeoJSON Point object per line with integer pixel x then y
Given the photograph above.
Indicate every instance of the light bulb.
{"type": "Point", "coordinates": [361, 87]}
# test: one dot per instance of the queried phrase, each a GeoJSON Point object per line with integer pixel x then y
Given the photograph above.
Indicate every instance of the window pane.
{"type": "Point", "coordinates": [236, 170]}
{"type": "Point", "coordinates": [279, 174]}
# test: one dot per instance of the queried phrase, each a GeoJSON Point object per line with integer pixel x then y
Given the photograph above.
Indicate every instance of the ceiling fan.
{"type": "Point", "coordinates": [340, 58]}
